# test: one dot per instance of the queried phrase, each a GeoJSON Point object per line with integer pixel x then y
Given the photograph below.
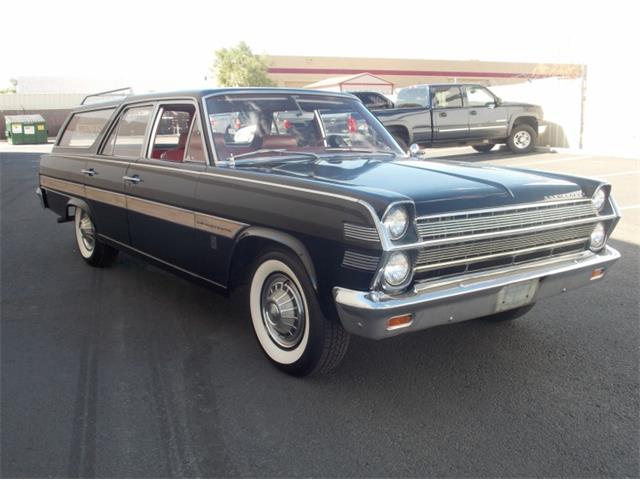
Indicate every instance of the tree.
{"type": "Point", "coordinates": [240, 67]}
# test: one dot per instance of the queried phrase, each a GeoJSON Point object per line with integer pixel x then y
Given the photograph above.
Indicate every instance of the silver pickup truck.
{"type": "Point", "coordinates": [446, 115]}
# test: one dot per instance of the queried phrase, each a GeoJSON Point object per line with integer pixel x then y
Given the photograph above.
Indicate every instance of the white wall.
{"type": "Point", "coordinates": [42, 101]}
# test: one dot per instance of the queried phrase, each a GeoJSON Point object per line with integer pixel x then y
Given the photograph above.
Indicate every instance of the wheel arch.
{"type": "Point", "coordinates": [74, 203]}
{"type": "Point", "coordinates": [255, 239]}
{"type": "Point", "coordinates": [527, 120]}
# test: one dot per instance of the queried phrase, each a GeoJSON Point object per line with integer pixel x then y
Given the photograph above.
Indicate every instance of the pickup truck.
{"type": "Point", "coordinates": [446, 115]}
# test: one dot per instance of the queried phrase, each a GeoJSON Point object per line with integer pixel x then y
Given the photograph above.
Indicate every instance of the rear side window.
{"type": "Point", "coordinates": [446, 97]}
{"type": "Point", "coordinates": [83, 128]}
{"type": "Point", "coordinates": [413, 97]}
{"type": "Point", "coordinates": [127, 139]}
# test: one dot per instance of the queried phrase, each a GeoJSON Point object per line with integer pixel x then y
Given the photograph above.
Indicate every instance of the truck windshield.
{"type": "Point", "coordinates": [413, 97]}
{"type": "Point", "coordinates": [272, 124]}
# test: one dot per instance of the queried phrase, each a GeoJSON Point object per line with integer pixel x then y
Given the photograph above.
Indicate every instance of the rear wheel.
{"type": "Point", "coordinates": [287, 320]}
{"type": "Point", "coordinates": [509, 314]}
{"type": "Point", "coordinates": [522, 139]}
{"type": "Point", "coordinates": [484, 148]}
{"type": "Point", "coordinates": [92, 250]}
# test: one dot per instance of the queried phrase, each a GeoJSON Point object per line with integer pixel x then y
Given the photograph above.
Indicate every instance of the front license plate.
{"type": "Point", "coordinates": [516, 295]}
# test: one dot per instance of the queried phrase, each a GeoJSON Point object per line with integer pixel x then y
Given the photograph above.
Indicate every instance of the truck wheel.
{"type": "Point", "coordinates": [287, 319]}
{"type": "Point", "coordinates": [92, 250]}
{"type": "Point", "coordinates": [522, 139]}
{"type": "Point", "coordinates": [400, 141]}
{"type": "Point", "coordinates": [509, 314]}
{"type": "Point", "coordinates": [484, 148]}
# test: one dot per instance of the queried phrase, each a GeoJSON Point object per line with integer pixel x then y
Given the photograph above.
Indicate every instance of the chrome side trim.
{"type": "Point", "coordinates": [189, 218]}
{"type": "Point", "coordinates": [62, 185]}
{"type": "Point", "coordinates": [104, 196]}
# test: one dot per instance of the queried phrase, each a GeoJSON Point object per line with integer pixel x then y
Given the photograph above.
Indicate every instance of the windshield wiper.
{"type": "Point", "coordinates": [283, 151]}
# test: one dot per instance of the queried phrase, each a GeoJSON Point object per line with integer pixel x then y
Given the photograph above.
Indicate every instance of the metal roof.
{"type": "Point", "coordinates": [34, 118]}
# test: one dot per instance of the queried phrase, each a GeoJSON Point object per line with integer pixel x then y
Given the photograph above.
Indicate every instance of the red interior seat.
{"type": "Point", "coordinates": [177, 154]}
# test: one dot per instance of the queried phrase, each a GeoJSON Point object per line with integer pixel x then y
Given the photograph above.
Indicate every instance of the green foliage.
{"type": "Point", "coordinates": [240, 67]}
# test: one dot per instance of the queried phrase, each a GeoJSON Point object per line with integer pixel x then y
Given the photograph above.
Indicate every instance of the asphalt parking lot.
{"type": "Point", "coordinates": [134, 372]}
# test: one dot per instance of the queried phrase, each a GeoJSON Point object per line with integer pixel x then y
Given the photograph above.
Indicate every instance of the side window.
{"type": "Point", "coordinates": [195, 148]}
{"type": "Point", "coordinates": [127, 138]}
{"type": "Point", "coordinates": [84, 128]}
{"type": "Point", "coordinates": [479, 97]}
{"type": "Point", "coordinates": [172, 132]}
{"type": "Point", "coordinates": [446, 97]}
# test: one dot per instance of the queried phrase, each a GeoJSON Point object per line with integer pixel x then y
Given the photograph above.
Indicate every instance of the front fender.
{"type": "Point", "coordinates": [286, 240]}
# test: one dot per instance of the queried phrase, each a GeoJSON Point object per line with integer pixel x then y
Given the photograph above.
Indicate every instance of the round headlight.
{"type": "Point", "coordinates": [599, 199]}
{"type": "Point", "coordinates": [397, 269]}
{"type": "Point", "coordinates": [396, 221]}
{"type": "Point", "coordinates": [598, 236]}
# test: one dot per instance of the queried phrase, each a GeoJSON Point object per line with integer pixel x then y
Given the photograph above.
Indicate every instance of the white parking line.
{"type": "Point", "coordinates": [629, 207]}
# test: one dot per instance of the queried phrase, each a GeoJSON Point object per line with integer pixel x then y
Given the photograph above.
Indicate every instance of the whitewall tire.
{"type": "Point", "coordinates": [287, 320]}
{"type": "Point", "coordinates": [92, 250]}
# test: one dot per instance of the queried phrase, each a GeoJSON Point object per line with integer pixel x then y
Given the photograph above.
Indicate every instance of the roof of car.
{"type": "Point", "coordinates": [201, 93]}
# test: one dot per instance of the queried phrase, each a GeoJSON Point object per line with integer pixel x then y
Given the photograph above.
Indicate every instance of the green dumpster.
{"type": "Point", "coordinates": [25, 129]}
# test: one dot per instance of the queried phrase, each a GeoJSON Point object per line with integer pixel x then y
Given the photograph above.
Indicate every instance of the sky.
{"type": "Point", "coordinates": [170, 45]}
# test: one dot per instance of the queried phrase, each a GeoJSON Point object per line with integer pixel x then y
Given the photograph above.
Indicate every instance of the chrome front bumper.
{"type": "Point", "coordinates": [462, 298]}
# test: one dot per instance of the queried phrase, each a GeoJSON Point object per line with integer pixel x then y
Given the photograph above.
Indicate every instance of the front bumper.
{"type": "Point", "coordinates": [462, 298]}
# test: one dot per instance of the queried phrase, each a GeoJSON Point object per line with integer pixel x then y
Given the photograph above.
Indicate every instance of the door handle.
{"type": "Point", "coordinates": [135, 179]}
{"type": "Point", "coordinates": [473, 112]}
{"type": "Point", "coordinates": [89, 171]}
{"type": "Point", "coordinates": [442, 114]}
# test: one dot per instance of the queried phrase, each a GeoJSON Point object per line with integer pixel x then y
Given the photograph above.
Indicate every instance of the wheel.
{"type": "Point", "coordinates": [484, 148]}
{"type": "Point", "coordinates": [287, 320]}
{"type": "Point", "coordinates": [509, 314]}
{"type": "Point", "coordinates": [522, 139]}
{"type": "Point", "coordinates": [400, 141]}
{"type": "Point", "coordinates": [92, 250]}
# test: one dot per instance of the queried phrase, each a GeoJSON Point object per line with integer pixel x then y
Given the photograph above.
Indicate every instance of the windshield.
{"type": "Point", "coordinates": [248, 126]}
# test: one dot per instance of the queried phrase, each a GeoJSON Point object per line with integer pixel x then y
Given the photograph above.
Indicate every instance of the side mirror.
{"type": "Point", "coordinates": [498, 101]}
{"type": "Point", "coordinates": [414, 150]}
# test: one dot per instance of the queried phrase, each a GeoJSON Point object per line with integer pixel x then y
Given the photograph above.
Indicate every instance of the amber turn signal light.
{"type": "Point", "coordinates": [399, 321]}
{"type": "Point", "coordinates": [597, 273]}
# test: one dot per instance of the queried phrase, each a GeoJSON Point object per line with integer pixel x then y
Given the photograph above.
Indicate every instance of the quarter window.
{"type": "Point", "coordinates": [479, 97]}
{"type": "Point", "coordinates": [127, 139]}
{"type": "Point", "coordinates": [84, 128]}
{"type": "Point", "coordinates": [446, 97]}
{"type": "Point", "coordinates": [195, 148]}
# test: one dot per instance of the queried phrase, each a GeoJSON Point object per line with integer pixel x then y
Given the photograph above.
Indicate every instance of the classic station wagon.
{"type": "Point", "coordinates": [305, 198]}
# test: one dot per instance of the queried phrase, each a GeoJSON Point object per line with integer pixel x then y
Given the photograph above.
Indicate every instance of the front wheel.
{"type": "Point", "coordinates": [287, 320]}
{"type": "Point", "coordinates": [522, 139]}
{"type": "Point", "coordinates": [92, 250]}
{"type": "Point", "coordinates": [484, 148]}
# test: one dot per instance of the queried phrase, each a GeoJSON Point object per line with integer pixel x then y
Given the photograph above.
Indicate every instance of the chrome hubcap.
{"type": "Point", "coordinates": [522, 139]}
{"type": "Point", "coordinates": [283, 312]}
{"type": "Point", "coordinates": [87, 232]}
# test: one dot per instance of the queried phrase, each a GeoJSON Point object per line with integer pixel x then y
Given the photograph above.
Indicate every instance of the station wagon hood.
{"type": "Point", "coordinates": [434, 186]}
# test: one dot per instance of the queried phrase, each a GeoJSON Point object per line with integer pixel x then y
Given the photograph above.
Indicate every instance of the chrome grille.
{"type": "Point", "coordinates": [360, 261]}
{"type": "Point", "coordinates": [464, 252]}
{"type": "Point", "coordinates": [361, 232]}
{"type": "Point", "coordinates": [479, 221]}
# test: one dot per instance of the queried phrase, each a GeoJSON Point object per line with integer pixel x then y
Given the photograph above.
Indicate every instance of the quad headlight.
{"type": "Point", "coordinates": [598, 236]}
{"type": "Point", "coordinates": [397, 269]}
{"type": "Point", "coordinates": [599, 199]}
{"type": "Point", "coordinates": [396, 222]}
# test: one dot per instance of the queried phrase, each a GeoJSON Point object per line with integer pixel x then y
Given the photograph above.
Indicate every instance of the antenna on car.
{"type": "Point", "coordinates": [109, 94]}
